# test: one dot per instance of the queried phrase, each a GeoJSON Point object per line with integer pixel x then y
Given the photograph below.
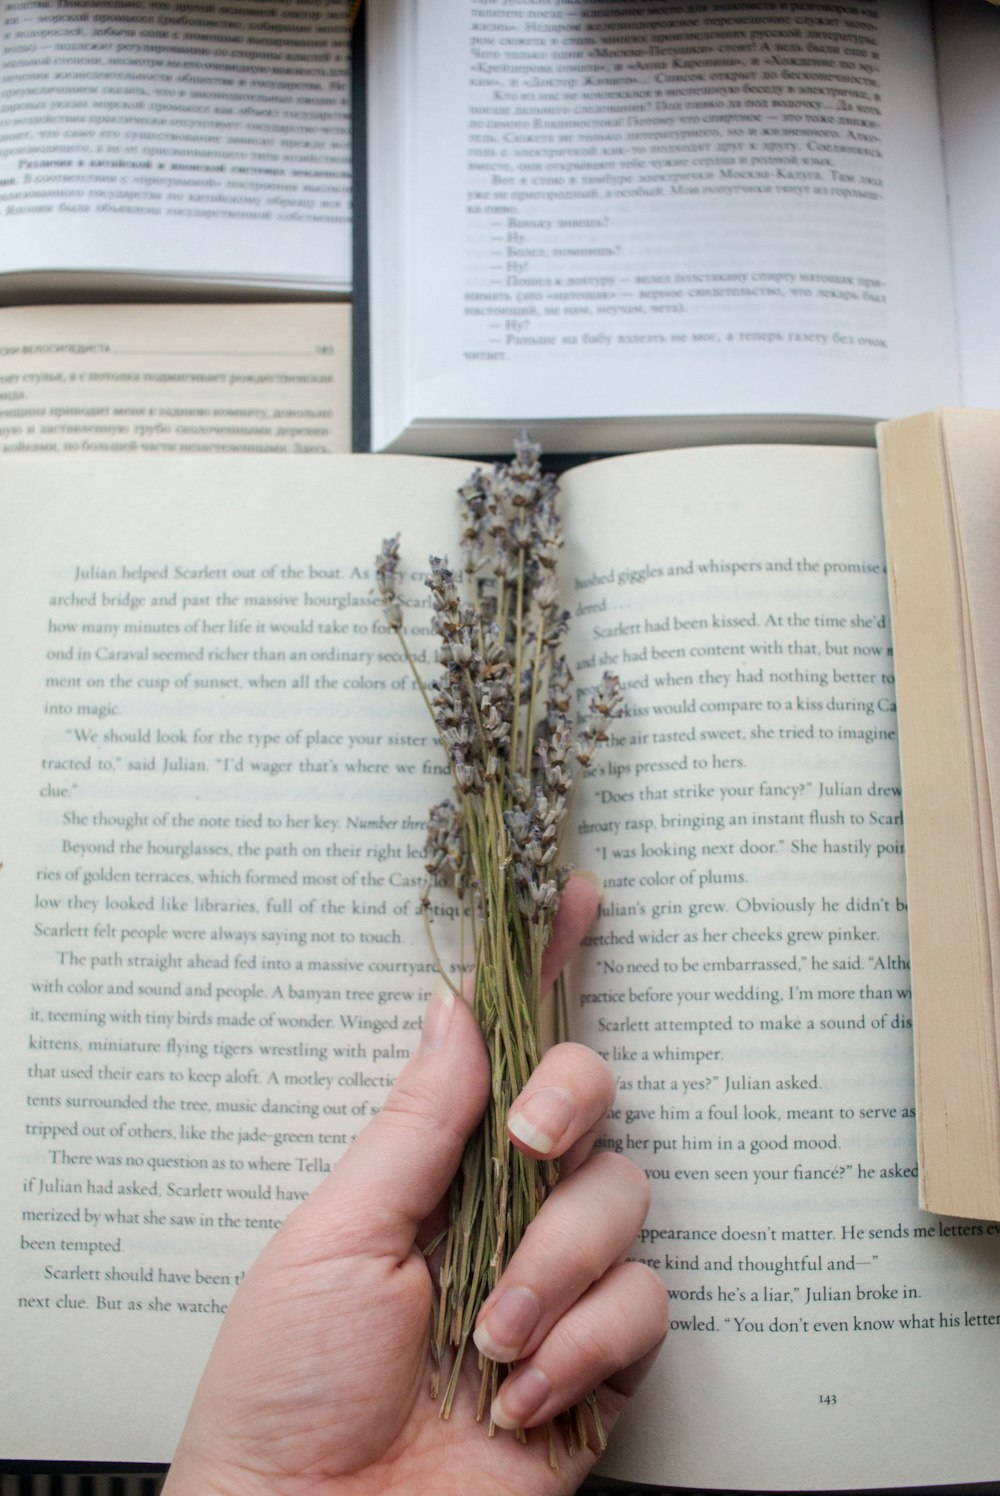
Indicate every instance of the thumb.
{"type": "Point", "coordinates": [399, 1167]}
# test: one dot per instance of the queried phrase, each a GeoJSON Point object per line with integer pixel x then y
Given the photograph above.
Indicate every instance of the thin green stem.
{"type": "Point", "coordinates": [518, 657]}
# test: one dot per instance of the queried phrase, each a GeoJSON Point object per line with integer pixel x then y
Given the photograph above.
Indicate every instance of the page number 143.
{"type": "Point", "coordinates": [827, 1399]}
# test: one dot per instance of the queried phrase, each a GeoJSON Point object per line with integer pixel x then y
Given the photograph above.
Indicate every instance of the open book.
{"type": "Point", "coordinates": [639, 226]}
{"type": "Point", "coordinates": [216, 776]}
{"type": "Point", "coordinates": [155, 379]}
{"type": "Point", "coordinates": [149, 145]}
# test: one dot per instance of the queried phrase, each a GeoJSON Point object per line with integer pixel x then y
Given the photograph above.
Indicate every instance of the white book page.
{"type": "Point", "coordinates": [749, 982]}
{"type": "Point", "coordinates": [211, 840]}
{"type": "Point", "coordinates": [152, 378]}
{"type": "Point", "coordinates": [968, 48]}
{"type": "Point", "coordinates": [177, 140]}
{"type": "Point", "coordinates": [714, 210]}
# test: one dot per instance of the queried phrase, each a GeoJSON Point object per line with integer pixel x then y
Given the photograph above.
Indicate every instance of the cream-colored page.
{"type": "Point", "coordinates": [749, 982]}
{"type": "Point", "coordinates": [946, 821]}
{"type": "Point", "coordinates": [216, 776]}
{"type": "Point", "coordinates": [972, 440]}
{"type": "Point", "coordinates": [210, 875]}
{"type": "Point", "coordinates": [166, 378]}
{"type": "Point", "coordinates": [973, 445]}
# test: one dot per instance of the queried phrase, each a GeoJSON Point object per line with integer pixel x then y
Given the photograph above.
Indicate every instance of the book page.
{"type": "Point", "coordinates": [209, 896]}
{"type": "Point", "coordinates": [665, 212]}
{"type": "Point", "coordinates": [176, 378]}
{"type": "Point", "coordinates": [968, 49]}
{"type": "Point", "coordinates": [972, 440]}
{"type": "Point", "coordinates": [216, 782]}
{"type": "Point", "coordinates": [749, 982]}
{"type": "Point", "coordinates": [177, 140]}
{"type": "Point", "coordinates": [938, 482]}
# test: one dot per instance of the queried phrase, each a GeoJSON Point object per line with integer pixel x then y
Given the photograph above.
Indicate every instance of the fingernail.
{"type": "Point", "coordinates": [437, 1019]}
{"type": "Point", "coordinates": [542, 1118]}
{"type": "Point", "coordinates": [592, 878]}
{"type": "Point", "coordinates": [508, 1323]}
{"type": "Point", "coordinates": [520, 1397]}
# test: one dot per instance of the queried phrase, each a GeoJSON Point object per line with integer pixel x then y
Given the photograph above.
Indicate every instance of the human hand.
{"type": "Point", "coordinates": [318, 1381]}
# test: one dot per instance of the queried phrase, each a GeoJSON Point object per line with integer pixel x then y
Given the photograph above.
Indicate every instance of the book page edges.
{"type": "Point", "coordinates": [972, 450]}
{"type": "Point", "coordinates": [615, 434]}
{"type": "Point", "coordinates": [957, 1121]}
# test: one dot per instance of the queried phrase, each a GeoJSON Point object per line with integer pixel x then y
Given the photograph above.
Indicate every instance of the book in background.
{"type": "Point", "coordinates": [146, 147]}
{"type": "Point", "coordinates": [943, 545]}
{"type": "Point", "coordinates": [634, 227]}
{"type": "Point", "coordinates": [158, 380]}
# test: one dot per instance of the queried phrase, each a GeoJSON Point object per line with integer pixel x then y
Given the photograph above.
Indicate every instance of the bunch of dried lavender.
{"type": "Point", "coordinates": [504, 715]}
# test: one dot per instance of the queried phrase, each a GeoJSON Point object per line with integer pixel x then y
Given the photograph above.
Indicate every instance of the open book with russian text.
{"type": "Point", "coordinates": [147, 147]}
{"type": "Point", "coordinates": [216, 777]}
{"type": "Point", "coordinates": [158, 379]}
{"type": "Point", "coordinates": [638, 226]}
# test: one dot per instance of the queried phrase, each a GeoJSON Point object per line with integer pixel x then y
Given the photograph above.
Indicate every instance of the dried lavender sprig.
{"type": "Point", "coordinates": [501, 706]}
{"type": "Point", "coordinates": [606, 704]}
